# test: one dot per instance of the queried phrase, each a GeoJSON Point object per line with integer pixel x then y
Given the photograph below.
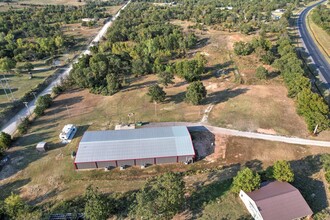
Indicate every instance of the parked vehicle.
{"type": "Point", "coordinates": [68, 133]}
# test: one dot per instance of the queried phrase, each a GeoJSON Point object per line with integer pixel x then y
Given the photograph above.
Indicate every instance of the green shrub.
{"type": "Point", "coordinates": [5, 141]}
{"type": "Point", "coordinates": [23, 126]}
{"type": "Point", "coordinates": [327, 176]}
{"type": "Point", "coordinates": [282, 171]}
{"type": "Point", "coordinates": [245, 180]}
{"type": "Point", "coordinates": [196, 92]}
{"type": "Point", "coordinates": [261, 72]}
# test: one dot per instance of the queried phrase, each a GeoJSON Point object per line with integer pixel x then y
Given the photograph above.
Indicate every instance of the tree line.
{"type": "Point", "coordinates": [310, 105]}
{"type": "Point", "coordinates": [321, 16]}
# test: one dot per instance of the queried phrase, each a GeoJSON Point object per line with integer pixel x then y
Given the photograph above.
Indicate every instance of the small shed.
{"type": "Point", "coordinates": [41, 146]}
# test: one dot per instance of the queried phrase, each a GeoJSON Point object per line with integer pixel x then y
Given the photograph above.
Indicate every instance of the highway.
{"type": "Point", "coordinates": [11, 126]}
{"type": "Point", "coordinates": [315, 55]}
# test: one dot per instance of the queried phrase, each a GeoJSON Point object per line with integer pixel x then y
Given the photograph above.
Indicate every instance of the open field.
{"type": "Point", "coordinates": [254, 110]}
{"type": "Point", "coordinates": [20, 84]}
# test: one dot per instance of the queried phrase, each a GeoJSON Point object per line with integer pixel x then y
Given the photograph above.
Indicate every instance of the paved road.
{"type": "Point", "coordinates": [11, 126]}
{"type": "Point", "coordinates": [225, 131]}
{"type": "Point", "coordinates": [311, 47]}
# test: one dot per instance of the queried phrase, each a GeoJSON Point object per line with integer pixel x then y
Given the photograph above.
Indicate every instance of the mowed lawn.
{"type": "Point", "coordinates": [20, 84]}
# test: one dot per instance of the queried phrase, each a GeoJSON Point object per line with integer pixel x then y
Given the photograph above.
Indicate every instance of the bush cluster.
{"type": "Point", "coordinates": [43, 102]}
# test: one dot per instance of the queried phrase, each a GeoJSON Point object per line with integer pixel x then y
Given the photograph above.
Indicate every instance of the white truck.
{"type": "Point", "coordinates": [68, 133]}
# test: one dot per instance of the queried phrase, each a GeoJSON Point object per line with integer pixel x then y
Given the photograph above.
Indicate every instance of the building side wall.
{"type": "Point", "coordinates": [89, 165]}
{"type": "Point", "coordinates": [165, 160]}
{"type": "Point", "coordinates": [250, 205]}
{"type": "Point", "coordinates": [125, 163]}
{"type": "Point", "coordinates": [144, 161]}
{"type": "Point", "coordinates": [185, 158]}
{"type": "Point", "coordinates": [105, 164]}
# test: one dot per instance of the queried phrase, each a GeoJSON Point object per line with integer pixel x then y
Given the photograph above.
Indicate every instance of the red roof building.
{"type": "Point", "coordinates": [276, 200]}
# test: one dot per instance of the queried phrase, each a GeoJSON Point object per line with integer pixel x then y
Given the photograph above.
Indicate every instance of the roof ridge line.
{"type": "Point", "coordinates": [169, 137]}
{"type": "Point", "coordinates": [294, 190]}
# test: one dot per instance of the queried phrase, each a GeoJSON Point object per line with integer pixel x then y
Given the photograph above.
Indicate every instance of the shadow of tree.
{"type": "Point", "coordinates": [12, 187]}
{"type": "Point", "coordinates": [223, 95]}
{"type": "Point", "coordinates": [313, 190]}
{"type": "Point", "coordinates": [177, 98]}
{"type": "Point", "coordinates": [220, 183]}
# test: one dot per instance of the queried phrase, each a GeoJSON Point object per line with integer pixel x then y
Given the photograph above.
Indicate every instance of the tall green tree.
{"type": "Point", "coordinates": [7, 64]}
{"type": "Point", "coordinates": [314, 109]}
{"type": "Point", "coordinates": [196, 92]}
{"type": "Point", "coordinates": [156, 93]}
{"type": "Point", "coordinates": [165, 78]}
{"type": "Point", "coordinates": [95, 206]}
{"type": "Point", "coordinates": [245, 180]}
{"type": "Point", "coordinates": [282, 171]}
{"type": "Point", "coordinates": [160, 198]}
{"type": "Point", "coordinates": [14, 206]}
{"type": "Point", "coordinates": [5, 141]}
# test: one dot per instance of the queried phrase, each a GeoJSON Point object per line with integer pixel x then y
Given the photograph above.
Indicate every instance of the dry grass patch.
{"type": "Point", "coordinates": [258, 107]}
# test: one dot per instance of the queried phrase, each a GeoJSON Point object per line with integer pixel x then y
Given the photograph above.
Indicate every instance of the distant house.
{"type": "Point", "coordinates": [277, 14]}
{"type": "Point", "coordinates": [87, 19]}
{"type": "Point", "coordinates": [276, 200]}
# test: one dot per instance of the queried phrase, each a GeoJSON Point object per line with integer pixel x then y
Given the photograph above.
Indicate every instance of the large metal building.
{"type": "Point", "coordinates": [144, 146]}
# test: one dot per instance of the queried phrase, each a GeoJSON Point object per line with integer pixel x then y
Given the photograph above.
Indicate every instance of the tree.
{"type": "Point", "coordinates": [95, 206]}
{"type": "Point", "coordinates": [5, 141]}
{"type": "Point", "coordinates": [113, 84]}
{"type": "Point", "coordinates": [165, 78]}
{"type": "Point", "coordinates": [314, 109]}
{"type": "Point", "coordinates": [282, 171]}
{"type": "Point", "coordinates": [42, 103]}
{"type": "Point", "coordinates": [156, 93]}
{"type": "Point", "coordinates": [14, 205]}
{"type": "Point", "coordinates": [7, 64]}
{"type": "Point", "coordinates": [261, 72]}
{"type": "Point", "coordinates": [23, 126]}
{"type": "Point", "coordinates": [160, 198]}
{"type": "Point", "coordinates": [28, 66]}
{"type": "Point", "coordinates": [196, 92]}
{"type": "Point", "coordinates": [242, 48]}
{"type": "Point", "coordinates": [245, 180]}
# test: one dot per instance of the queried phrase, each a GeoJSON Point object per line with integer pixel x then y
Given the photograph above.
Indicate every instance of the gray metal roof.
{"type": "Point", "coordinates": [134, 144]}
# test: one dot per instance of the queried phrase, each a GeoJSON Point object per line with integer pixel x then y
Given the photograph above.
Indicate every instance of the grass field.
{"type": "Point", "coordinates": [20, 84]}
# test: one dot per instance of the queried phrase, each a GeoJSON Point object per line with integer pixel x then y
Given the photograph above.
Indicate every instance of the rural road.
{"type": "Point", "coordinates": [12, 124]}
{"type": "Point", "coordinates": [315, 55]}
{"type": "Point", "coordinates": [254, 135]}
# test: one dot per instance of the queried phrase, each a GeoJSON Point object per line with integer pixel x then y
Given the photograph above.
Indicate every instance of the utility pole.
{"type": "Point", "coordinates": [67, 109]}
{"type": "Point", "coordinates": [5, 85]}
{"type": "Point", "coordinates": [4, 89]}
{"type": "Point", "coordinates": [26, 105]}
